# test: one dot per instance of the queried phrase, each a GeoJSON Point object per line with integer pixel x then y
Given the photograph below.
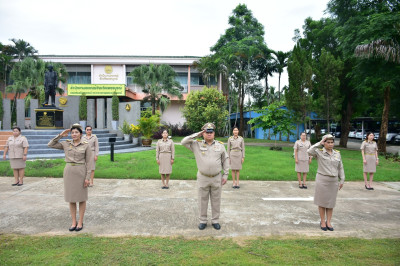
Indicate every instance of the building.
{"type": "Point", "coordinates": [87, 69]}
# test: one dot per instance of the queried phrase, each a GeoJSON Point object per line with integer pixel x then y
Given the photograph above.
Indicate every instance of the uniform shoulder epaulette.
{"type": "Point", "coordinates": [199, 140]}
{"type": "Point", "coordinates": [220, 142]}
{"type": "Point", "coordinates": [68, 140]}
{"type": "Point", "coordinates": [321, 149]}
{"type": "Point", "coordinates": [94, 135]}
{"type": "Point", "coordinates": [85, 142]}
{"type": "Point", "coordinates": [336, 150]}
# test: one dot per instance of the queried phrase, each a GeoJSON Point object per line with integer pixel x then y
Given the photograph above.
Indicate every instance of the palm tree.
{"type": "Point", "coordinates": [23, 49]}
{"type": "Point", "coordinates": [281, 63]}
{"type": "Point", "coordinates": [389, 51]}
{"type": "Point", "coordinates": [157, 81]}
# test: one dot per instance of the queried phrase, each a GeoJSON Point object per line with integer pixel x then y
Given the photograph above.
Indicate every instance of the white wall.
{"type": "Point", "coordinates": [172, 115]}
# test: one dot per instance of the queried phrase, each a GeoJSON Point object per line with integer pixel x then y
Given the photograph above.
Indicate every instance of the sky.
{"type": "Point", "coordinates": [155, 27]}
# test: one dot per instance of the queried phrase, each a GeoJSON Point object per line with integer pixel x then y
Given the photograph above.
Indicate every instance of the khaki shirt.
{"type": "Point", "coordinates": [328, 164]}
{"type": "Point", "coordinates": [80, 154]}
{"type": "Point", "coordinates": [16, 146]}
{"type": "Point", "coordinates": [369, 148]}
{"type": "Point", "coordinates": [93, 143]}
{"type": "Point", "coordinates": [302, 148]}
{"type": "Point", "coordinates": [210, 159]}
{"type": "Point", "coordinates": [165, 147]}
{"type": "Point", "coordinates": [235, 145]}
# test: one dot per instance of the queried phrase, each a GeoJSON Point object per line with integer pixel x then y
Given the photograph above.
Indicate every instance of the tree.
{"type": "Point", "coordinates": [327, 72]}
{"type": "Point", "coordinates": [281, 62]}
{"type": "Point", "coordinates": [115, 107]}
{"type": "Point", "coordinates": [240, 47]}
{"type": "Point", "coordinates": [207, 105]}
{"type": "Point", "coordinates": [23, 49]}
{"type": "Point", "coordinates": [157, 81]}
{"type": "Point", "coordinates": [298, 94]}
{"type": "Point", "coordinates": [274, 117]}
{"type": "Point", "coordinates": [363, 23]}
{"type": "Point", "coordinates": [83, 107]}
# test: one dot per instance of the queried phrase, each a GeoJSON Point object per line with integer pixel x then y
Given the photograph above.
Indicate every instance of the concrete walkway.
{"type": "Point", "coordinates": [141, 207]}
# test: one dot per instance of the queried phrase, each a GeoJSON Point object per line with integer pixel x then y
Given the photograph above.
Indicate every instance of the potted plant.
{"type": "Point", "coordinates": [115, 111]}
{"type": "Point", "coordinates": [135, 131]}
{"type": "Point", "coordinates": [1, 108]}
{"type": "Point", "coordinates": [148, 125]}
{"type": "Point", "coordinates": [126, 130]}
{"type": "Point", "coordinates": [83, 110]}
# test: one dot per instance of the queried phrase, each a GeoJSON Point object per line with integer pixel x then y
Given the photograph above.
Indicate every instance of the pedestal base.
{"type": "Point", "coordinates": [49, 117]}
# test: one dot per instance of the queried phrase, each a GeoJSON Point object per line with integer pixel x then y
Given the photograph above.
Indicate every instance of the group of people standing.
{"type": "Point", "coordinates": [213, 163]}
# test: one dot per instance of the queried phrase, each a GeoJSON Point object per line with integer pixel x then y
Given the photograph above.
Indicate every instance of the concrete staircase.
{"type": "Point", "coordinates": [38, 140]}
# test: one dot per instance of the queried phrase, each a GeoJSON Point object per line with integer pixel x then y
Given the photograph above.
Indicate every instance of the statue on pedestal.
{"type": "Point", "coordinates": [50, 85]}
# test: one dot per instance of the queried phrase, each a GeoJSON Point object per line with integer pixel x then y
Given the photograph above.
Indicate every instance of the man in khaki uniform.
{"type": "Point", "coordinates": [211, 158]}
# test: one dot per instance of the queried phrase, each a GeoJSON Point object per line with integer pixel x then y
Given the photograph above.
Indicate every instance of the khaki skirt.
{"type": "Point", "coordinates": [302, 167]}
{"type": "Point", "coordinates": [74, 180]}
{"type": "Point", "coordinates": [326, 189]}
{"type": "Point", "coordinates": [370, 166]}
{"type": "Point", "coordinates": [165, 166]}
{"type": "Point", "coordinates": [92, 166]}
{"type": "Point", "coordinates": [17, 163]}
{"type": "Point", "coordinates": [235, 158]}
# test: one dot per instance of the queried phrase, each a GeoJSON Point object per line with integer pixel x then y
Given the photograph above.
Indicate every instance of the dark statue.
{"type": "Point", "coordinates": [50, 85]}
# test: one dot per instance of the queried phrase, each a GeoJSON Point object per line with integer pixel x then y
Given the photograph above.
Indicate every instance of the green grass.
{"type": "Point", "coordinates": [88, 250]}
{"type": "Point", "coordinates": [260, 164]}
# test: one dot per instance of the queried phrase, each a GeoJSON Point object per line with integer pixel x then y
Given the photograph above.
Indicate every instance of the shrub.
{"type": "Point", "coordinates": [1, 106]}
{"type": "Point", "coordinates": [115, 107]}
{"type": "Point", "coordinates": [83, 107]}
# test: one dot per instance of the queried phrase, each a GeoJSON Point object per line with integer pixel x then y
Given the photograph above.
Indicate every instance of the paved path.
{"type": "Point", "coordinates": [141, 207]}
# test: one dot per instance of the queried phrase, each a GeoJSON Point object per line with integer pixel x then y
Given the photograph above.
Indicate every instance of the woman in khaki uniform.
{"type": "Point", "coordinates": [330, 170]}
{"type": "Point", "coordinates": [17, 148]}
{"type": "Point", "coordinates": [78, 157]}
{"type": "Point", "coordinates": [236, 155]}
{"type": "Point", "coordinates": [302, 159]}
{"type": "Point", "coordinates": [94, 146]}
{"type": "Point", "coordinates": [369, 152]}
{"type": "Point", "coordinates": [165, 154]}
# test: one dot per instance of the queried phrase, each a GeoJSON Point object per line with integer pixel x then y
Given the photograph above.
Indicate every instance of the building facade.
{"type": "Point", "coordinates": [115, 70]}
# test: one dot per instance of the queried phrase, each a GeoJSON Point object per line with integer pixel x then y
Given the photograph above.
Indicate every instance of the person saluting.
{"type": "Point", "coordinates": [211, 159]}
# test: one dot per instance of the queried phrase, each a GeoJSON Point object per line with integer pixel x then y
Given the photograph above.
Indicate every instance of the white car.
{"type": "Point", "coordinates": [359, 135]}
{"type": "Point", "coordinates": [390, 136]}
{"type": "Point", "coordinates": [352, 134]}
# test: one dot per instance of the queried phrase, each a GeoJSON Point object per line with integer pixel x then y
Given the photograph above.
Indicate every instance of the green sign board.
{"type": "Point", "coordinates": [96, 89]}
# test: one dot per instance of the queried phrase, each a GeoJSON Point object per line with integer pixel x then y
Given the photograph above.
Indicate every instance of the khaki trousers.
{"type": "Point", "coordinates": [209, 188]}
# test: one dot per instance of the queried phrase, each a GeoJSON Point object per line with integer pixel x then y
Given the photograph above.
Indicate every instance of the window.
{"type": "Point", "coordinates": [79, 78]}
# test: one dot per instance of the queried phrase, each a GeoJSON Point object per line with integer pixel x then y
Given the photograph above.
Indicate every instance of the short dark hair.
{"type": "Point", "coordinates": [88, 126]}
{"type": "Point", "coordinates": [78, 128]}
{"type": "Point", "coordinates": [369, 133]}
{"type": "Point", "coordinates": [234, 128]}
{"type": "Point", "coordinates": [16, 128]}
{"type": "Point", "coordinates": [303, 133]}
{"type": "Point", "coordinates": [165, 131]}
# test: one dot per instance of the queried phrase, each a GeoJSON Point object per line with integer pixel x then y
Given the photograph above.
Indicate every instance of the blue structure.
{"type": "Point", "coordinates": [261, 134]}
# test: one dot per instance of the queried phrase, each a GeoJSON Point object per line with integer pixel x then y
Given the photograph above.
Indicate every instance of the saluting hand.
{"type": "Point", "coordinates": [322, 141]}
{"type": "Point", "coordinates": [65, 133]}
{"type": "Point", "coordinates": [201, 133]}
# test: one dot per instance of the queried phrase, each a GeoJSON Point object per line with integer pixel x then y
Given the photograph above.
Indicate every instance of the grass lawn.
{"type": "Point", "coordinates": [260, 164]}
{"type": "Point", "coordinates": [85, 249]}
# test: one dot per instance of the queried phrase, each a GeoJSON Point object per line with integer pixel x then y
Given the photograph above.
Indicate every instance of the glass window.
{"type": "Point", "coordinates": [182, 78]}
{"type": "Point", "coordinates": [79, 78]}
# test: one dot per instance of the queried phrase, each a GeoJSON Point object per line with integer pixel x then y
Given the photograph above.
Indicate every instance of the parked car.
{"type": "Point", "coordinates": [352, 133]}
{"type": "Point", "coordinates": [337, 134]}
{"type": "Point", "coordinates": [359, 134]}
{"type": "Point", "coordinates": [390, 136]}
{"type": "Point", "coordinates": [397, 139]}
{"type": "Point", "coordinates": [376, 135]}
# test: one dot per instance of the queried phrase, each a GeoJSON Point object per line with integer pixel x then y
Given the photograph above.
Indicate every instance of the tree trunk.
{"type": "Point", "coordinates": [266, 89]}
{"type": "Point", "coordinates": [241, 100]}
{"type": "Point", "coordinates": [345, 124]}
{"type": "Point", "coordinates": [279, 87]}
{"type": "Point", "coordinates": [385, 121]}
{"type": "Point", "coordinates": [153, 106]}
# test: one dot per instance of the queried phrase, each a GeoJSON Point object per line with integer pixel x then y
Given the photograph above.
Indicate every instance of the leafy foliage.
{"type": "Point", "coordinates": [207, 105]}
{"type": "Point", "coordinates": [149, 123]}
{"type": "Point", "coordinates": [157, 81]}
{"type": "Point", "coordinates": [115, 107]}
{"type": "Point", "coordinates": [83, 107]}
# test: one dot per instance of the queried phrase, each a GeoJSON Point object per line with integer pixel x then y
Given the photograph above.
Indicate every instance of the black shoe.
{"type": "Point", "coordinates": [329, 228]}
{"type": "Point", "coordinates": [304, 186]}
{"type": "Point", "coordinates": [300, 186]}
{"type": "Point", "coordinates": [16, 184]}
{"type": "Point", "coordinates": [367, 188]}
{"type": "Point", "coordinates": [371, 188]}
{"type": "Point", "coordinates": [19, 184]}
{"type": "Point", "coordinates": [232, 186]}
{"type": "Point", "coordinates": [73, 228]}
{"type": "Point", "coordinates": [163, 187]}
{"type": "Point", "coordinates": [323, 228]}
{"type": "Point", "coordinates": [166, 187]}
{"type": "Point", "coordinates": [216, 226]}
{"type": "Point", "coordinates": [237, 187]}
{"type": "Point", "coordinates": [202, 226]}
{"type": "Point", "coordinates": [79, 228]}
